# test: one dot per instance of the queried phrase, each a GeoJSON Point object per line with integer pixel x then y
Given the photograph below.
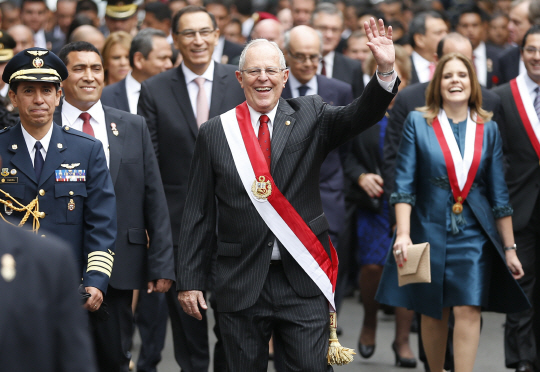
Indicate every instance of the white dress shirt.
{"type": "Point", "coordinates": [421, 65]}
{"type": "Point", "coordinates": [4, 91]}
{"type": "Point", "coordinates": [480, 63]}
{"type": "Point", "coordinates": [328, 64]}
{"type": "Point", "coordinates": [133, 90]}
{"type": "Point", "coordinates": [70, 116]}
{"type": "Point", "coordinates": [31, 142]}
{"type": "Point", "coordinates": [294, 84]}
{"type": "Point", "coordinates": [531, 86]}
{"type": "Point", "coordinates": [193, 87]}
{"type": "Point", "coordinates": [218, 50]}
{"type": "Point", "coordinates": [39, 39]}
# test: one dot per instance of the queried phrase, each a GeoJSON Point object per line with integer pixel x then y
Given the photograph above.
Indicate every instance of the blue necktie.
{"type": "Point", "coordinates": [38, 160]}
{"type": "Point", "coordinates": [302, 90]}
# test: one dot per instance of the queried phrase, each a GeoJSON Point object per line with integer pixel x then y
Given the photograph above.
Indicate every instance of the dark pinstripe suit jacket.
{"type": "Point", "coordinates": [243, 239]}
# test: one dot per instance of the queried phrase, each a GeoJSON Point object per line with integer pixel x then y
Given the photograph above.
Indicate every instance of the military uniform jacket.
{"type": "Point", "coordinates": [81, 211]}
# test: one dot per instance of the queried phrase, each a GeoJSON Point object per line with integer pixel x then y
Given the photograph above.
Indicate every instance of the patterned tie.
{"type": "Point", "coordinates": [323, 69]}
{"type": "Point", "coordinates": [38, 159]}
{"type": "Point", "coordinates": [537, 101]}
{"type": "Point", "coordinates": [264, 139]}
{"type": "Point", "coordinates": [87, 127]}
{"type": "Point", "coordinates": [202, 102]}
{"type": "Point", "coordinates": [302, 90]}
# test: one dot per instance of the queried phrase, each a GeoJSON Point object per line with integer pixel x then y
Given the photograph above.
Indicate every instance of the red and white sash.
{"type": "Point", "coordinates": [527, 113]}
{"type": "Point", "coordinates": [461, 171]}
{"type": "Point", "coordinates": [276, 211]}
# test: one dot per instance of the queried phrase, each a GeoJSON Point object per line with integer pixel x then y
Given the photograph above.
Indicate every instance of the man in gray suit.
{"type": "Point", "coordinates": [260, 286]}
{"type": "Point", "coordinates": [174, 106]}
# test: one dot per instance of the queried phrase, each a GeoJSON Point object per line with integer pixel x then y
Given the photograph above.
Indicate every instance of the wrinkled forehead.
{"type": "Point", "coordinates": [262, 55]}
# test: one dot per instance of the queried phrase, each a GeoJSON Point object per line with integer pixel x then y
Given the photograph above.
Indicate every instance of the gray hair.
{"type": "Point", "coordinates": [287, 39]}
{"type": "Point", "coordinates": [143, 42]}
{"type": "Point", "coordinates": [256, 42]}
{"type": "Point", "coordinates": [327, 8]}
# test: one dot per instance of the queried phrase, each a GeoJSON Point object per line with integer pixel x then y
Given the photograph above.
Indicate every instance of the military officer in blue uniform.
{"type": "Point", "coordinates": [54, 180]}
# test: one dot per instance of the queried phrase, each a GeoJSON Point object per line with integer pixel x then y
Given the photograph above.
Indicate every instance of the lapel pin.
{"type": "Point", "coordinates": [59, 145]}
{"type": "Point", "coordinates": [8, 267]}
{"type": "Point", "coordinates": [71, 205]}
{"type": "Point", "coordinates": [114, 130]}
{"type": "Point", "coordinates": [14, 147]}
{"type": "Point", "coordinates": [66, 127]}
{"type": "Point", "coordinates": [5, 172]}
{"type": "Point", "coordinates": [13, 172]}
{"type": "Point", "coordinates": [287, 122]}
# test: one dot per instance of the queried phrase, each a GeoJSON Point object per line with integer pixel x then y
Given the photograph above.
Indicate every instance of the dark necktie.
{"type": "Point", "coordinates": [264, 139]}
{"type": "Point", "coordinates": [38, 159]}
{"type": "Point", "coordinates": [87, 127]}
{"type": "Point", "coordinates": [302, 90]}
{"type": "Point", "coordinates": [323, 69]}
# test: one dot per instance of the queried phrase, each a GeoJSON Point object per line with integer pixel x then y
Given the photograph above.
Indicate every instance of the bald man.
{"type": "Point", "coordinates": [269, 29]}
{"type": "Point", "coordinates": [23, 36]}
{"type": "Point", "coordinates": [89, 34]}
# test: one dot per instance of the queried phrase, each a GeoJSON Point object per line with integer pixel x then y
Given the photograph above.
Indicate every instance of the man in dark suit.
{"type": "Point", "coordinates": [408, 100]}
{"type": "Point", "coordinates": [149, 55]}
{"type": "Point", "coordinates": [58, 174]}
{"type": "Point", "coordinates": [473, 24]}
{"type": "Point", "coordinates": [516, 119]}
{"type": "Point", "coordinates": [159, 16]}
{"type": "Point", "coordinates": [42, 324]}
{"type": "Point", "coordinates": [174, 106]}
{"type": "Point", "coordinates": [143, 219]}
{"type": "Point", "coordinates": [260, 286]}
{"type": "Point", "coordinates": [425, 32]}
{"type": "Point", "coordinates": [225, 50]}
{"type": "Point", "coordinates": [65, 13]}
{"type": "Point", "coordinates": [328, 19]}
{"type": "Point", "coordinates": [302, 53]}
{"type": "Point", "coordinates": [510, 63]}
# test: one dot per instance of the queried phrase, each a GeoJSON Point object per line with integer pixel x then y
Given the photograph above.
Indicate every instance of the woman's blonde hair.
{"type": "Point", "coordinates": [118, 37]}
{"type": "Point", "coordinates": [403, 62]}
{"type": "Point", "coordinates": [433, 91]}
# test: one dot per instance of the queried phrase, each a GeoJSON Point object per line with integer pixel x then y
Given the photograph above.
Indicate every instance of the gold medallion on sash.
{"type": "Point", "coordinates": [457, 208]}
{"type": "Point", "coordinates": [261, 189]}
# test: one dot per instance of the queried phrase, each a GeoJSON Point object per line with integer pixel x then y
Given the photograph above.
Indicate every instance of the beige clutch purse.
{"type": "Point", "coordinates": [417, 269]}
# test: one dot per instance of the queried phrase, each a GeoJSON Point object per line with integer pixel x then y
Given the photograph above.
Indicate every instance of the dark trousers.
{"type": "Point", "coordinates": [112, 337]}
{"type": "Point", "coordinates": [346, 255]}
{"type": "Point", "coordinates": [519, 331]}
{"type": "Point", "coordinates": [151, 319]}
{"type": "Point", "coordinates": [299, 325]}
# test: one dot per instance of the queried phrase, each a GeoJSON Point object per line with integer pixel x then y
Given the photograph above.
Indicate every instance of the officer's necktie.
{"type": "Point", "coordinates": [302, 89]}
{"type": "Point", "coordinates": [264, 139]}
{"type": "Point", "coordinates": [38, 159]}
{"type": "Point", "coordinates": [537, 101]}
{"type": "Point", "coordinates": [202, 102]}
{"type": "Point", "coordinates": [323, 69]}
{"type": "Point", "coordinates": [87, 127]}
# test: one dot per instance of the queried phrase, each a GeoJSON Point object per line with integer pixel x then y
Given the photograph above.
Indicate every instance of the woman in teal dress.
{"type": "Point", "coordinates": [473, 259]}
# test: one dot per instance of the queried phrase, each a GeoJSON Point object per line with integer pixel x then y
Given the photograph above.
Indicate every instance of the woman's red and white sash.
{"type": "Point", "coordinates": [276, 211]}
{"type": "Point", "coordinates": [527, 113]}
{"type": "Point", "coordinates": [461, 170]}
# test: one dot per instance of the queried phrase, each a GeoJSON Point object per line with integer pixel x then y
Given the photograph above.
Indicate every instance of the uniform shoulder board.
{"type": "Point", "coordinates": [70, 130]}
{"type": "Point", "coordinates": [4, 129]}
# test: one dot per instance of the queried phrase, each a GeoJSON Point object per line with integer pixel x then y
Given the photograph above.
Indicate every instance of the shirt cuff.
{"type": "Point", "coordinates": [387, 85]}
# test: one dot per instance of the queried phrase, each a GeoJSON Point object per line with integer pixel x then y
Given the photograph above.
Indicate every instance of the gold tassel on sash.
{"type": "Point", "coordinates": [337, 354]}
{"type": "Point", "coordinates": [31, 209]}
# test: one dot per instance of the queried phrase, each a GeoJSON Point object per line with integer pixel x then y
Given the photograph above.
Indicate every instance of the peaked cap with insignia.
{"type": "Point", "coordinates": [35, 64]}
{"type": "Point", "coordinates": [6, 46]}
{"type": "Point", "coordinates": [120, 9]}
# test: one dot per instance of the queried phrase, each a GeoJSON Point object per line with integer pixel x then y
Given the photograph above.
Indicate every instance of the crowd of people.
{"type": "Point", "coordinates": [120, 140]}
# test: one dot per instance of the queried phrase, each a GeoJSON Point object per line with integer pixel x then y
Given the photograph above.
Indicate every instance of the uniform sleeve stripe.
{"type": "Point", "coordinates": [101, 254]}
{"type": "Point", "coordinates": [96, 268]}
{"type": "Point", "coordinates": [99, 259]}
{"type": "Point", "coordinates": [106, 267]}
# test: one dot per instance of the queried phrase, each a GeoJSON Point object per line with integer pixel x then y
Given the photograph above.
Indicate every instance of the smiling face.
{"type": "Point", "coordinates": [455, 83]}
{"type": "Point", "coordinates": [531, 58]}
{"type": "Point", "coordinates": [36, 102]}
{"type": "Point", "coordinates": [85, 81]}
{"type": "Point", "coordinates": [263, 91]}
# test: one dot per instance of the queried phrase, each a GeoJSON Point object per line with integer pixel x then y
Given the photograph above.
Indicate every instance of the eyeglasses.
{"type": "Point", "coordinates": [256, 71]}
{"type": "Point", "coordinates": [191, 34]}
{"type": "Point", "coordinates": [323, 29]}
{"type": "Point", "coordinates": [531, 50]}
{"type": "Point", "coordinates": [302, 58]}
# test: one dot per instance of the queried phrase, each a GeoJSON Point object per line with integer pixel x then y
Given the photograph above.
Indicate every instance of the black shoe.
{"type": "Point", "coordinates": [403, 362]}
{"type": "Point", "coordinates": [366, 350]}
{"type": "Point", "coordinates": [525, 366]}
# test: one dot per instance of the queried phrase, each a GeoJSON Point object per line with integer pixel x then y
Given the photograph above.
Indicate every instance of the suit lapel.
{"type": "Point", "coordinates": [281, 130]}
{"type": "Point", "coordinates": [287, 92]}
{"type": "Point", "coordinates": [180, 92]}
{"type": "Point", "coordinates": [21, 158]}
{"type": "Point", "coordinates": [218, 91]}
{"type": "Point", "coordinates": [116, 143]}
{"type": "Point", "coordinates": [57, 117]}
{"type": "Point", "coordinates": [327, 94]}
{"type": "Point", "coordinates": [121, 96]}
{"type": "Point", "coordinates": [54, 154]}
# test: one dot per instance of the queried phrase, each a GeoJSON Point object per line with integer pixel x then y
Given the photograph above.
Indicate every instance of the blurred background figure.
{"type": "Point", "coordinates": [89, 9]}
{"type": "Point", "coordinates": [11, 14]}
{"type": "Point", "coordinates": [357, 49]}
{"type": "Point", "coordinates": [269, 29]}
{"type": "Point", "coordinates": [225, 50]}
{"type": "Point", "coordinates": [121, 15]}
{"type": "Point", "coordinates": [158, 16]}
{"type": "Point", "coordinates": [233, 32]}
{"type": "Point", "coordinates": [23, 36]}
{"type": "Point", "coordinates": [176, 5]}
{"type": "Point", "coordinates": [498, 35]}
{"type": "Point", "coordinates": [116, 56]}
{"type": "Point", "coordinates": [373, 227]}
{"type": "Point", "coordinates": [34, 15]}
{"type": "Point", "coordinates": [302, 11]}
{"type": "Point", "coordinates": [89, 34]}
{"type": "Point", "coordinates": [285, 18]}
{"type": "Point", "coordinates": [65, 13]}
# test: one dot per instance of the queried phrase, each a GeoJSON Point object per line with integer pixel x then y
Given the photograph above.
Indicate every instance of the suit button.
{"type": "Point", "coordinates": [41, 192]}
{"type": "Point", "coordinates": [270, 244]}
{"type": "Point", "coordinates": [71, 193]}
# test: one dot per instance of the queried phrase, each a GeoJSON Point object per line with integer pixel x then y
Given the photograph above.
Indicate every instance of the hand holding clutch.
{"type": "Point", "coordinates": [417, 268]}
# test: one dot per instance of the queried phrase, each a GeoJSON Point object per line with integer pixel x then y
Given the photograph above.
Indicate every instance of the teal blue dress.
{"type": "Point", "coordinates": [467, 259]}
